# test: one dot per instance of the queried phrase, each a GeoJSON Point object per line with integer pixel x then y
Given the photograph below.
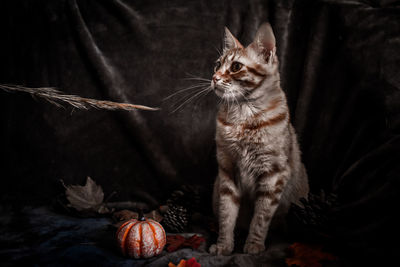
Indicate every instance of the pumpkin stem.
{"type": "Point", "coordinates": [141, 215]}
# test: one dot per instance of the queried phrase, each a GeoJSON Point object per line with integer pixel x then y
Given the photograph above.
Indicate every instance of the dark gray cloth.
{"type": "Point", "coordinates": [40, 237]}
{"type": "Point", "coordinates": [339, 63]}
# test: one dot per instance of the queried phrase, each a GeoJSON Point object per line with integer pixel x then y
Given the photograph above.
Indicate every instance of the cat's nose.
{"type": "Point", "coordinates": [216, 78]}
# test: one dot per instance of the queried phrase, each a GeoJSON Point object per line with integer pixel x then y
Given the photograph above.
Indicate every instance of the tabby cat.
{"type": "Point", "coordinates": [258, 155]}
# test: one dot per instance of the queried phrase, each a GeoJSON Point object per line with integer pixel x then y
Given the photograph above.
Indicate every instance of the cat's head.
{"type": "Point", "coordinates": [243, 73]}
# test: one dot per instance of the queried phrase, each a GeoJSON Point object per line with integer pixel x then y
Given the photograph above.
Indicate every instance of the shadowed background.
{"type": "Point", "coordinates": [339, 63]}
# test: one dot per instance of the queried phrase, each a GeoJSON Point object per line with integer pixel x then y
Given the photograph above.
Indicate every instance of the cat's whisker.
{"type": "Point", "coordinates": [197, 79]}
{"type": "Point", "coordinates": [248, 103]}
{"type": "Point", "coordinates": [218, 50]}
{"type": "Point", "coordinates": [229, 106]}
{"type": "Point", "coordinates": [191, 98]}
{"type": "Point", "coordinates": [203, 95]}
{"type": "Point", "coordinates": [231, 100]}
{"type": "Point", "coordinates": [220, 101]}
{"type": "Point", "coordinates": [224, 102]}
{"type": "Point", "coordinates": [234, 100]}
{"type": "Point", "coordinates": [237, 102]}
{"type": "Point", "coordinates": [185, 97]}
{"type": "Point", "coordinates": [196, 86]}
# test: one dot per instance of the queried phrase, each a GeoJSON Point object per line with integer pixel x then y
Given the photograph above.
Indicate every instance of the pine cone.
{"type": "Point", "coordinates": [187, 196]}
{"type": "Point", "coordinates": [182, 204]}
{"type": "Point", "coordinates": [175, 219]}
{"type": "Point", "coordinates": [315, 216]}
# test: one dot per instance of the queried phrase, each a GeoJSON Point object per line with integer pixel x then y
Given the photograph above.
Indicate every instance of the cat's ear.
{"type": "Point", "coordinates": [230, 41]}
{"type": "Point", "coordinates": [264, 42]}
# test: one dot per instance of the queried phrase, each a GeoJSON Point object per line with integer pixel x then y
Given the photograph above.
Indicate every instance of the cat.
{"type": "Point", "coordinates": [257, 150]}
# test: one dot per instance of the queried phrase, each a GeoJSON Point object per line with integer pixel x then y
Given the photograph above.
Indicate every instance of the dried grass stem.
{"type": "Point", "coordinates": [56, 97]}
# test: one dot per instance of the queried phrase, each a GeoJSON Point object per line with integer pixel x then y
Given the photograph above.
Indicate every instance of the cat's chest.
{"type": "Point", "coordinates": [243, 148]}
{"type": "Point", "coordinates": [249, 151]}
{"type": "Point", "coordinates": [240, 140]}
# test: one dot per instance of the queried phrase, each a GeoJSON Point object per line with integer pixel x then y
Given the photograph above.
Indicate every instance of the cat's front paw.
{"type": "Point", "coordinates": [253, 248]}
{"type": "Point", "coordinates": [221, 249]}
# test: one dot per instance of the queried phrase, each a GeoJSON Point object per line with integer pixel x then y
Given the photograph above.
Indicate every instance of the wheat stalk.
{"type": "Point", "coordinates": [56, 97]}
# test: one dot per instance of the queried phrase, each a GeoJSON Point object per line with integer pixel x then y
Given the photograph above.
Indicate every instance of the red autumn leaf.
{"type": "Point", "coordinates": [194, 241]}
{"type": "Point", "coordinates": [186, 263]}
{"type": "Point", "coordinates": [307, 255]}
{"type": "Point", "coordinates": [175, 242]}
{"type": "Point", "coordinates": [182, 263]}
{"type": "Point", "coordinates": [192, 263]}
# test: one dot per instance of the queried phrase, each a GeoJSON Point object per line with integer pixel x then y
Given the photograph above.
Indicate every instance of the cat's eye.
{"type": "Point", "coordinates": [236, 66]}
{"type": "Point", "coordinates": [217, 66]}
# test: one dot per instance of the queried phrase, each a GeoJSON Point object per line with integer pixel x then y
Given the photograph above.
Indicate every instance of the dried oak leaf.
{"type": "Point", "coordinates": [304, 255]}
{"type": "Point", "coordinates": [86, 198]}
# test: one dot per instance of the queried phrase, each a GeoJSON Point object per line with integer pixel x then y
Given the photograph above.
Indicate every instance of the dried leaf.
{"type": "Point", "coordinates": [86, 198]}
{"type": "Point", "coordinates": [175, 242]}
{"type": "Point", "coordinates": [124, 215]}
{"type": "Point", "coordinates": [186, 263]}
{"type": "Point", "coordinates": [192, 263]}
{"type": "Point", "coordinates": [307, 256]}
{"type": "Point", "coordinates": [182, 263]}
{"type": "Point", "coordinates": [154, 215]}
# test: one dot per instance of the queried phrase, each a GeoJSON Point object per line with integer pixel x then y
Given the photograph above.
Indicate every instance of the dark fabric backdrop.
{"type": "Point", "coordinates": [339, 63]}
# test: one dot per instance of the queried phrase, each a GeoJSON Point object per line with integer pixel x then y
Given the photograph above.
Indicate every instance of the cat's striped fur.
{"type": "Point", "coordinates": [257, 150]}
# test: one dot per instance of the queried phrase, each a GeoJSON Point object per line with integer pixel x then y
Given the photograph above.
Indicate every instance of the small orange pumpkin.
{"type": "Point", "coordinates": [143, 238]}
